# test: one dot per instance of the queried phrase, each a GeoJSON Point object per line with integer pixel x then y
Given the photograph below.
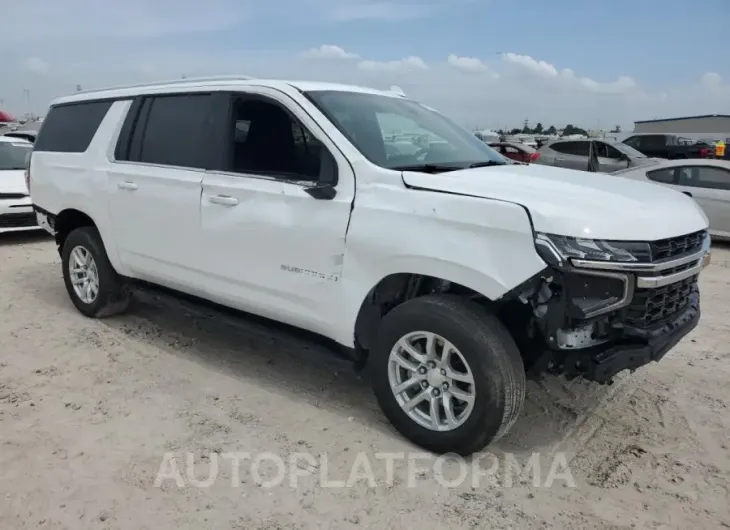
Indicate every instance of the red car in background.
{"type": "Point", "coordinates": [517, 152]}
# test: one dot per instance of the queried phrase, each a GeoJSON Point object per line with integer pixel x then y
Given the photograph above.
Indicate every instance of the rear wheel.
{"type": "Point", "coordinates": [92, 283]}
{"type": "Point", "coordinates": [447, 374]}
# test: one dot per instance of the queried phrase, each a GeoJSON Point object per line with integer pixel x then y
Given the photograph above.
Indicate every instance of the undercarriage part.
{"type": "Point", "coordinates": [582, 337]}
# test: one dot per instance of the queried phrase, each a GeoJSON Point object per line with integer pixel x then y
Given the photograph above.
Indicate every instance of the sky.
{"type": "Point", "coordinates": [486, 63]}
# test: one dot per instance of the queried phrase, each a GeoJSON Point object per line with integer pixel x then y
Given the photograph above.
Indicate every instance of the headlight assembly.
{"type": "Point", "coordinates": [555, 250]}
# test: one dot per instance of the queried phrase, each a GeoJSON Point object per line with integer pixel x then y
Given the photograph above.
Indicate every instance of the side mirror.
{"type": "Point", "coordinates": [325, 189]}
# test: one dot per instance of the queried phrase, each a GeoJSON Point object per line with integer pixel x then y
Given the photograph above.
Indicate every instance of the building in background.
{"type": "Point", "coordinates": [711, 124]}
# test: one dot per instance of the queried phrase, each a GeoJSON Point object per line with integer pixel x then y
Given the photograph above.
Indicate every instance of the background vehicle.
{"type": "Point", "coordinates": [516, 151]}
{"type": "Point", "coordinates": [450, 270]}
{"type": "Point", "coordinates": [28, 135]}
{"type": "Point", "coordinates": [707, 181]}
{"type": "Point", "coordinates": [668, 146]}
{"type": "Point", "coordinates": [16, 209]}
{"type": "Point", "coordinates": [575, 154]}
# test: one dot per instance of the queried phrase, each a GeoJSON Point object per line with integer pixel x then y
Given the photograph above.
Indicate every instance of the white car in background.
{"type": "Point", "coordinates": [706, 180]}
{"type": "Point", "coordinates": [16, 208]}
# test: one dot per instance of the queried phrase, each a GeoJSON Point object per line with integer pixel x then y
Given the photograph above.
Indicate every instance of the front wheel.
{"type": "Point", "coordinates": [447, 374]}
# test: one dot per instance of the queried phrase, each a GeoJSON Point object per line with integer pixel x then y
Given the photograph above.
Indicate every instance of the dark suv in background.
{"type": "Point", "coordinates": [668, 146]}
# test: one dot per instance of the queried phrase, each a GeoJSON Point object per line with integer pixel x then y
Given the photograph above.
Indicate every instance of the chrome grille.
{"type": "Point", "coordinates": [676, 246]}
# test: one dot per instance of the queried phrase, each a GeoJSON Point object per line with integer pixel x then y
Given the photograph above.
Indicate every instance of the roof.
{"type": "Point", "coordinates": [230, 82]}
{"type": "Point", "coordinates": [605, 140]}
{"type": "Point", "coordinates": [702, 116]}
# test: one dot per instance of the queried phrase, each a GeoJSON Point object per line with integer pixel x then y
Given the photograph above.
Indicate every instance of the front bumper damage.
{"type": "Point", "coordinates": [648, 308]}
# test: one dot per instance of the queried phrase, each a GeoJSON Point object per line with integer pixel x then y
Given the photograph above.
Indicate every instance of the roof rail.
{"type": "Point", "coordinates": [173, 82]}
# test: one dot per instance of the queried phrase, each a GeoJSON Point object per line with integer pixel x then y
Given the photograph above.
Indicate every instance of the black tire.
{"type": "Point", "coordinates": [487, 347]}
{"type": "Point", "coordinates": [114, 295]}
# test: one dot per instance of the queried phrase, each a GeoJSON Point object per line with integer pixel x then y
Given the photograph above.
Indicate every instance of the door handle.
{"type": "Point", "coordinates": [126, 185]}
{"type": "Point", "coordinates": [688, 194]}
{"type": "Point", "coordinates": [223, 200]}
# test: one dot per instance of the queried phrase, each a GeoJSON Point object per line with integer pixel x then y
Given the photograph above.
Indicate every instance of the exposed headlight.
{"type": "Point", "coordinates": [555, 249]}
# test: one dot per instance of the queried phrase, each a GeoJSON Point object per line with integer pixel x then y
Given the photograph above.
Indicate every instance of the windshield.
{"type": "Point", "coordinates": [628, 150]}
{"type": "Point", "coordinates": [397, 133]}
{"type": "Point", "coordinates": [14, 155]}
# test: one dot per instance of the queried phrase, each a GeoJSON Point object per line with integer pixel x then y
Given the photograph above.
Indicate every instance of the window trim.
{"type": "Point", "coordinates": [124, 141]}
{"type": "Point", "coordinates": [233, 96]}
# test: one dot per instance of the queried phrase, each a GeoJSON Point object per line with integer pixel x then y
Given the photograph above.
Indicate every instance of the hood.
{"type": "Point", "coordinates": [576, 203]}
{"type": "Point", "coordinates": [12, 181]}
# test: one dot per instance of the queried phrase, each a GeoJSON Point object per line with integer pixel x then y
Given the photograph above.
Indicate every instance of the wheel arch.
{"type": "Point", "coordinates": [413, 280]}
{"type": "Point", "coordinates": [71, 218]}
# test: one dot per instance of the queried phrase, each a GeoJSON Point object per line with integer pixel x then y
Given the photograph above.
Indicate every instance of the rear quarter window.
{"type": "Point", "coordinates": [70, 128]}
{"type": "Point", "coordinates": [664, 176]}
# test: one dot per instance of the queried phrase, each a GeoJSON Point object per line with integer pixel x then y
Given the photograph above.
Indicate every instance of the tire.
{"type": "Point", "coordinates": [487, 348]}
{"type": "Point", "coordinates": [113, 295]}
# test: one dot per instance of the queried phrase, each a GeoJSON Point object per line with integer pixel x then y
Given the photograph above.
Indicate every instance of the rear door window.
{"type": "Point", "coordinates": [170, 130]}
{"type": "Point", "coordinates": [572, 148]}
{"type": "Point", "coordinates": [664, 176]}
{"type": "Point", "coordinates": [70, 128]}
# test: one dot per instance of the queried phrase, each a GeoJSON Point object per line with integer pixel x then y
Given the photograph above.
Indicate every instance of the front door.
{"type": "Point", "coordinates": [609, 158]}
{"type": "Point", "coordinates": [271, 247]}
{"type": "Point", "coordinates": [575, 155]}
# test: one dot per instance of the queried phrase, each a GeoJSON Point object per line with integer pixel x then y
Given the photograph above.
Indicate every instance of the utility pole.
{"type": "Point", "coordinates": [26, 96]}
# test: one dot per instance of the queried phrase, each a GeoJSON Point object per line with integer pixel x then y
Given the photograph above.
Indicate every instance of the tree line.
{"type": "Point", "coordinates": [550, 131]}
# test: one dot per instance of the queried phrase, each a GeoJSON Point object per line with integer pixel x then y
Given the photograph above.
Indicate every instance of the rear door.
{"type": "Point", "coordinates": [572, 154]}
{"type": "Point", "coordinates": [710, 187]}
{"type": "Point", "coordinates": [156, 180]}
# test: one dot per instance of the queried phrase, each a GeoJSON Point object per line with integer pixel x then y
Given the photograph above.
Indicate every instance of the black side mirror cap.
{"type": "Point", "coordinates": [322, 192]}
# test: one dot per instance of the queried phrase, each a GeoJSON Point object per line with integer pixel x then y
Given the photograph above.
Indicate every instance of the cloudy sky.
{"type": "Point", "coordinates": [487, 63]}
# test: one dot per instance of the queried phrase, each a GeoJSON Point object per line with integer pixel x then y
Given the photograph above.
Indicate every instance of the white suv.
{"type": "Point", "coordinates": [452, 273]}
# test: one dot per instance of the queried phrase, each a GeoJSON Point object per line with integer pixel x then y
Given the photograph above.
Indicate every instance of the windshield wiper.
{"type": "Point", "coordinates": [487, 163]}
{"type": "Point", "coordinates": [428, 168]}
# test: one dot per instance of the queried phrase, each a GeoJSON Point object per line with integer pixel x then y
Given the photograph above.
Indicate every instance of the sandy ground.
{"type": "Point", "coordinates": [90, 409]}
